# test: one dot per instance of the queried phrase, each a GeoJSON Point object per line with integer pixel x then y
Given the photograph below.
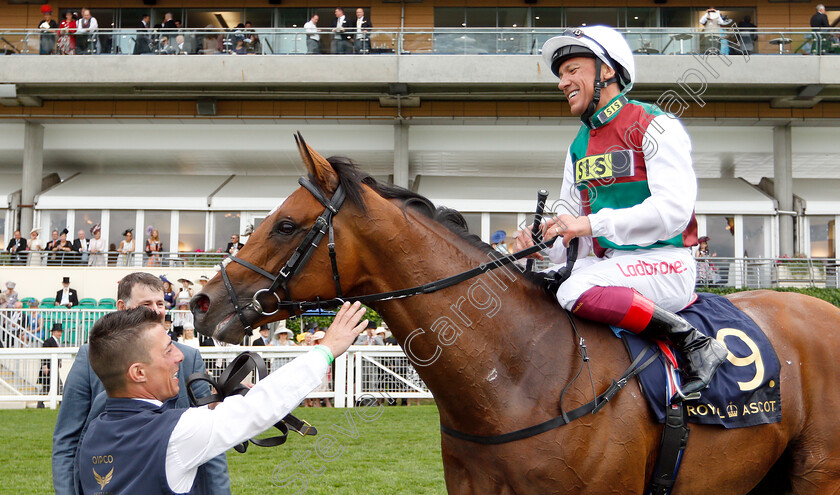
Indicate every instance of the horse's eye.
{"type": "Point", "coordinates": [286, 227]}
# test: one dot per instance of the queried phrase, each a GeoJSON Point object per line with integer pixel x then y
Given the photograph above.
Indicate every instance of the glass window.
{"type": "Point", "coordinates": [679, 17]}
{"type": "Point", "coordinates": [641, 17]}
{"type": "Point", "coordinates": [449, 16]}
{"type": "Point", "coordinates": [119, 222]}
{"type": "Point", "coordinates": [216, 18]}
{"type": "Point", "coordinates": [52, 220]}
{"type": "Point", "coordinates": [754, 237]}
{"type": "Point", "coordinates": [160, 221]}
{"type": "Point", "coordinates": [721, 232]}
{"type": "Point", "coordinates": [506, 222]}
{"type": "Point", "coordinates": [3, 240]}
{"type": "Point", "coordinates": [547, 17]}
{"type": "Point", "coordinates": [129, 18]}
{"type": "Point", "coordinates": [225, 224]}
{"type": "Point", "coordinates": [473, 222]}
{"type": "Point", "coordinates": [85, 219]}
{"type": "Point", "coordinates": [591, 16]}
{"type": "Point", "coordinates": [481, 17]}
{"type": "Point", "coordinates": [513, 17]}
{"type": "Point", "coordinates": [822, 236]}
{"type": "Point", "coordinates": [191, 227]}
{"type": "Point", "coordinates": [262, 18]}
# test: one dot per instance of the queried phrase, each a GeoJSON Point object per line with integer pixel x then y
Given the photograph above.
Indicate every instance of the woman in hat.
{"type": "Point", "coordinates": [185, 293]}
{"type": "Point", "coordinates": [66, 38]}
{"type": "Point", "coordinates": [35, 248]}
{"type": "Point", "coordinates": [189, 336]}
{"type": "Point", "coordinates": [10, 294]}
{"type": "Point", "coordinates": [47, 27]}
{"type": "Point", "coordinates": [284, 337]}
{"type": "Point", "coordinates": [97, 246]}
{"type": "Point", "coordinates": [60, 249]}
{"type": "Point", "coordinates": [153, 248]}
{"type": "Point", "coordinates": [168, 293]}
{"type": "Point", "coordinates": [126, 248]}
{"type": "Point", "coordinates": [497, 242]}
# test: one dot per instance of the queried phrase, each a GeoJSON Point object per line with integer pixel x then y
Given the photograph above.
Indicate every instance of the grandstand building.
{"type": "Point", "coordinates": [450, 99]}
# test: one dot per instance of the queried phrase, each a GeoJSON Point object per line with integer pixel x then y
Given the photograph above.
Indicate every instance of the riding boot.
{"type": "Point", "coordinates": [703, 355]}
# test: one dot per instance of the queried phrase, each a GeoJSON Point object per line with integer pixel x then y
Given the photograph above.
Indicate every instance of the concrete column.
{"type": "Point", "coordinates": [33, 171]}
{"type": "Point", "coordinates": [401, 154]}
{"type": "Point", "coordinates": [783, 186]}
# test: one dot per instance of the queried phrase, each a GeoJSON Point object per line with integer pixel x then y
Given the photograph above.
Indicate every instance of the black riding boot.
{"type": "Point", "coordinates": [703, 355]}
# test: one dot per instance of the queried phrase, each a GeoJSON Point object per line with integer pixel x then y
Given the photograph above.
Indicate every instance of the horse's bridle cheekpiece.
{"type": "Point", "coordinates": [323, 226]}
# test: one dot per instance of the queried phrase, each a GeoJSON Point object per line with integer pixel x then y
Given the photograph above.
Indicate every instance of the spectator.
{"type": "Point", "coordinates": [97, 247]}
{"type": "Point", "coordinates": [17, 248]}
{"type": "Point", "coordinates": [126, 248]}
{"type": "Point", "coordinates": [362, 41]}
{"type": "Point", "coordinates": [47, 27]}
{"type": "Point", "coordinates": [184, 316]}
{"type": "Point", "coordinates": [11, 296]}
{"type": "Point", "coordinates": [61, 250]}
{"type": "Point", "coordinates": [185, 293]}
{"type": "Point", "coordinates": [46, 364]}
{"type": "Point", "coordinates": [342, 38]}
{"type": "Point", "coordinates": [369, 337]}
{"type": "Point", "coordinates": [51, 260]}
{"type": "Point", "coordinates": [189, 336]}
{"type": "Point", "coordinates": [234, 245]}
{"type": "Point", "coordinates": [313, 39]}
{"type": "Point", "coordinates": [168, 293]}
{"type": "Point", "coordinates": [283, 337]}
{"type": "Point", "coordinates": [264, 338]}
{"type": "Point", "coordinates": [712, 22]}
{"type": "Point", "coordinates": [748, 35]}
{"type": "Point", "coordinates": [167, 23]}
{"type": "Point", "coordinates": [66, 297]}
{"type": "Point", "coordinates": [202, 281]}
{"type": "Point", "coordinates": [252, 39]}
{"type": "Point", "coordinates": [820, 19]}
{"type": "Point", "coordinates": [34, 320]}
{"type": "Point", "coordinates": [169, 327]}
{"type": "Point", "coordinates": [180, 47]}
{"type": "Point", "coordinates": [142, 42]}
{"type": "Point", "coordinates": [66, 36]}
{"type": "Point", "coordinates": [819, 23]}
{"type": "Point", "coordinates": [87, 42]}
{"type": "Point", "coordinates": [153, 247]}
{"type": "Point", "coordinates": [240, 48]}
{"type": "Point", "coordinates": [35, 248]}
{"type": "Point", "coordinates": [82, 249]}
{"type": "Point", "coordinates": [497, 242]}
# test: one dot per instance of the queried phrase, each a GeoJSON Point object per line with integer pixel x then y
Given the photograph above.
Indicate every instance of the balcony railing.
{"type": "Point", "coordinates": [112, 259]}
{"type": "Point", "coordinates": [443, 41]}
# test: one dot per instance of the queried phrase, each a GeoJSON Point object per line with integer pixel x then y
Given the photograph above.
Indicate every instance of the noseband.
{"type": "Point", "coordinates": [324, 226]}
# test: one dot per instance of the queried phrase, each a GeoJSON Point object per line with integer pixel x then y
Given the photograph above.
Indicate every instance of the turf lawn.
{"type": "Point", "coordinates": [396, 450]}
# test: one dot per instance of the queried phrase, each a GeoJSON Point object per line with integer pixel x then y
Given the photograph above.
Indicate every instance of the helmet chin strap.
{"type": "Point", "coordinates": [596, 95]}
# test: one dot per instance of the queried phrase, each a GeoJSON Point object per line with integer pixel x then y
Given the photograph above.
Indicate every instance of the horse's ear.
{"type": "Point", "coordinates": [318, 166]}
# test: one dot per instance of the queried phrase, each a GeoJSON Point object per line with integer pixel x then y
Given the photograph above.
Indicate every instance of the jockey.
{"type": "Point", "coordinates": [628, 193]}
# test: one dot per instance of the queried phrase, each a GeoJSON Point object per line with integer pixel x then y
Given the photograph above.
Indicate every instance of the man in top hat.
{"type": "Point", "coordinates": [264, 338]}
{"type": "Point", "coordinates": [66, 297]}
{"type": "Point", "coordinates": [369, 336]}
{"type": "Point", "coordinates": [46, 364]}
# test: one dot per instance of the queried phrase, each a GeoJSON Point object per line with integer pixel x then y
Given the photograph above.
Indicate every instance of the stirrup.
{"type": "Point", "coordinates": [679, 396]}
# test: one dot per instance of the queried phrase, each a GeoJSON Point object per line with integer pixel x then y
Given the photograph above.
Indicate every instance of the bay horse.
{"type": "Point", "coordinates": [497, 352]}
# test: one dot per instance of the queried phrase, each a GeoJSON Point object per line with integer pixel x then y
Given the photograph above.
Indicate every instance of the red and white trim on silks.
{"type": "Point", "coordinates": [638, 315]}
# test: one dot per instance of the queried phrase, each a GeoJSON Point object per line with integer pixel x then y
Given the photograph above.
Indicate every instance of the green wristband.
{"type": "Point", "coordinates": [326, 352]}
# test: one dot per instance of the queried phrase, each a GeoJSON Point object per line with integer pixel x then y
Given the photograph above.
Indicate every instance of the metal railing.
{"type": "Point", "coordinates": [112, 259]}
{"type": "Point", "coordinates": [26, 375]}
{"type": "Point", "coordinates": [767, 273]}
{"type": "Point", "coordinates": [457, 41]}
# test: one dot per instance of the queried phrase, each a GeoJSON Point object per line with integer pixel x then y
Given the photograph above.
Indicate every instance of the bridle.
{"type": "Point", "coordinates": [323, 226]}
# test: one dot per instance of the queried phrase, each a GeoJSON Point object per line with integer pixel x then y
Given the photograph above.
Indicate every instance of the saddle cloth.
{"type": "Point", "coordinates": [745, 391]}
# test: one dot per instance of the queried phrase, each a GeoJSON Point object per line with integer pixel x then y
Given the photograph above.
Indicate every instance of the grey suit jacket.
{"type": "Point", "coordinates": [84, 399]}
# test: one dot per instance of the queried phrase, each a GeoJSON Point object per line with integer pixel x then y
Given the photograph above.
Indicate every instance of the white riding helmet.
{"type": "Point", "coordinates": [603, 42]}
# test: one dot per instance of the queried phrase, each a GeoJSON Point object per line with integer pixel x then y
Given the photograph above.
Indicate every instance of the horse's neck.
{"type": "Point", "coordinates": [480, 345]}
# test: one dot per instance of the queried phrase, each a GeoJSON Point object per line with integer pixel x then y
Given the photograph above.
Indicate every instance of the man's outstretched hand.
{"type": "Point", "coordinates": [345, 328]}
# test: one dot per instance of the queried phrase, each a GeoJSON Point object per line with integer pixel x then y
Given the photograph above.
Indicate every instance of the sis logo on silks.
{"type": "Point", "coordinates": [607, 166]}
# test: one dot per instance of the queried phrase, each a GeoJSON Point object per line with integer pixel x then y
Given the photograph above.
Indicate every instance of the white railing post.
{"type": "Point", "coordinates": [357, 377]}
{"type": "Point", "coordinates": [340, 382]}
{"type": "Point", "coordinates": [53, 397]}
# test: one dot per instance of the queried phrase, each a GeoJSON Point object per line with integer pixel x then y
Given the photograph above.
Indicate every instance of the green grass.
{"type": "Point", "coordinates": [397, 452]}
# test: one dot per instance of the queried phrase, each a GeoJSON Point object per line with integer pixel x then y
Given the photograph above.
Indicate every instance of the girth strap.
{"type": "Point", "coordinates": [591, 407]}
{"type": "Point", "coordinates": [230, 383]}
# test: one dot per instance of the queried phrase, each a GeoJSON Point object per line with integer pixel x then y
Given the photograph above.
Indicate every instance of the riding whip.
{"type": "Point", "coordinates": [542, 197]}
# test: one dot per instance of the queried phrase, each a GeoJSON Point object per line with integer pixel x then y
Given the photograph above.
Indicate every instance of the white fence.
{"type": "Point", "coordinates": [378, 371]}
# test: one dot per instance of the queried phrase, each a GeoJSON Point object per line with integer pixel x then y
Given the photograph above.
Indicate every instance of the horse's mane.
{"type": "Point", "coordinates": [351, 179]}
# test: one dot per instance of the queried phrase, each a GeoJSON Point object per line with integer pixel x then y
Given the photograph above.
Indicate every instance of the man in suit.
{"type": "Point", "coordinates": [17, 248]}
{"type": "Point", "coordinates": [234, 245]}
{"type": "Point", "coordinates": [142, 43]}
{"type": "Point", "coordinates": [264, 338]}
{"type": "Point", "coordinates": [362, 41]}
{"type": "Point", "coordinates": [80, 246]}
{"type": "Point", "coordinates": [66, 297]}
{"type": "Point", "coordinates": [46, 364]}
{"type": "Point", "coordinates": [84, 396]}
{"type": "Point", "coordinates": [369, 336]}
{"type": "Point", "coordinates": [342, 41]}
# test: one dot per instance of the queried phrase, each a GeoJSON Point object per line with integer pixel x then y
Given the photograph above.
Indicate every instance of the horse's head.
{"type": "Point", "coordinates": [227, 306]}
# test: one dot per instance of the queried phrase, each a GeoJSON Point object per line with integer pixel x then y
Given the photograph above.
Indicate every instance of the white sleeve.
{"type": "Point", "coordinates": [704, 19]}
{"type": "Point", "coordinates": [94, 24]}
{"type": "Point", "coordinates": [673, 191]}
{"type": "Point", "coordinates": [570, 203]}
{"type": "Point", "coordinates": [201, 433]}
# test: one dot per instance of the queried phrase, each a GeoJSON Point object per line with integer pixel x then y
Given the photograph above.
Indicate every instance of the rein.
{"type": "Point", "coordinates": [323, 226]}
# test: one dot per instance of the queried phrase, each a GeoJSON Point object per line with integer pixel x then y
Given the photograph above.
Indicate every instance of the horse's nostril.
{"type": "Point", "coordinates": [202, 302]}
